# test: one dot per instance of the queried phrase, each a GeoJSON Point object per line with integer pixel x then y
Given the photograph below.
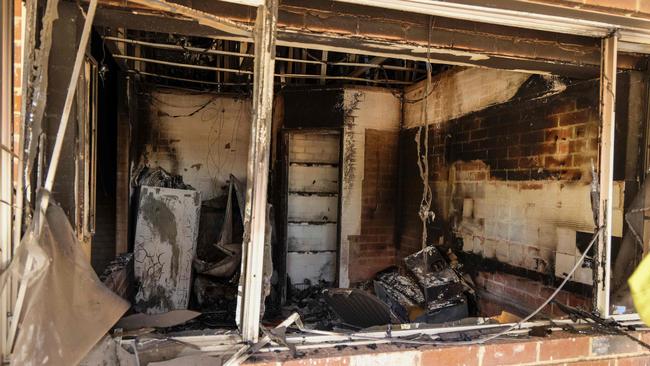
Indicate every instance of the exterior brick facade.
{"type": "Point", "coordinates": [558, 349]}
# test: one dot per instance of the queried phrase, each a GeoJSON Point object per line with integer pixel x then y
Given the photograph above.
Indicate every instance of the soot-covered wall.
{"type": "Point", "coordinates": [369, 119]}
{"type": "Point", "coordinates": [510, 160]}
{"type": "Point", "coordinates": [203, 137]}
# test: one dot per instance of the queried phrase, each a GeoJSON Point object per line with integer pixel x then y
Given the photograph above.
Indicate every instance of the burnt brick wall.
{"type": "Point", "coordinates": [374, 249]}
{"type": "Point", "coordinates": [526, 139]}
{"type": "Point", "coordinates": [506, 178]}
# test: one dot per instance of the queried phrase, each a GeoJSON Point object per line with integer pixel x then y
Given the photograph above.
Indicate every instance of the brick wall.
{"type": "Point", "coordinates": [500, 291]}
{"type": "Point", "coordinates": [314, 148]}
{"type": "Point", "coordinates": [370, 136]}
{"type": "Point", "coordinates": [374, 249]}
{"type": "Point", "coordinates": [525, 139]}
{"type": "Point", "coordinates": [510, 178]}
{"type": "Point", "coordinates": [558, 349]}
{"type": "Point", "coordinates": [18, 78]}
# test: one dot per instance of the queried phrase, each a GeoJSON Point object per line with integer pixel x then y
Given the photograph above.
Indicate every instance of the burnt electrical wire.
{"type": "Point", "coordinates": [424, 211]}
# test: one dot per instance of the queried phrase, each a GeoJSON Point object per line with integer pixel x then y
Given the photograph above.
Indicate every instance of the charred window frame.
{"type": "Point", "coordinates": [86, 149]}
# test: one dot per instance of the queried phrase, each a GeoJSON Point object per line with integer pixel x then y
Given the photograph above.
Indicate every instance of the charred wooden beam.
{"type": "Point", "coordinates": [249, 302]}
{"type": "Point", "coordinates": [375, 61]}
{"type": "Point", "coordinates": [602, 275]}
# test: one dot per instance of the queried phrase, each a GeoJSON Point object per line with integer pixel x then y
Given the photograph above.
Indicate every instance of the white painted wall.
{"type": "Point", "coordinates": [206, 147]}
{"type": "Point", "coordinates": [529, 224]}
{"type": "Point", "coordinates": [460, 91]}
{"type": "Point", "coordinates": [366, 108]}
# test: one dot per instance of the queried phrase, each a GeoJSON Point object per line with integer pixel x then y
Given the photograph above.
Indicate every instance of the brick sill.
{"type": "Point", "coordinates": [560, 348]}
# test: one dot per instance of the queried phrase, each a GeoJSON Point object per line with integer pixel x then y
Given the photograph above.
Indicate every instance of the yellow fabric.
{"type": "Point", "coordinates": [639, 283]}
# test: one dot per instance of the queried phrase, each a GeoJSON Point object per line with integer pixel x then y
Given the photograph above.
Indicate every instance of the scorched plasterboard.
{"type": "Point", "coordinates": [165, 244]}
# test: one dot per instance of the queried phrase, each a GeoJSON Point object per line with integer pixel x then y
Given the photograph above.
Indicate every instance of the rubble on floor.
{"type": "Point", "coordinates": [443, 289]}
{"type": "Point", "coordinates": [425, 289]}
{"type": "Point", "coordinates": [119, 277]}
{"type": "Point", "coordinates": [164, 320]}
{"type": "Point", "coordinates": [159, 177]}
{"type": "Point", "coordinates": [310, 303]}
{"type": "Point", "coordinates": [221, 256]}
{"type": "Point", "coordinates": [358, 308]}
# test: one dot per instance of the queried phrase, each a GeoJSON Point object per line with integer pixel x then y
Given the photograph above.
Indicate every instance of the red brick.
{"type": "Point", "coordinates": [510, 353]}
{"type": "Point", "coordinates": [553, 162]}
{"type": "Point", "coordinates": [260, 363]}
{"type": "Point", "coordinates": [543, 148]}
{"type": "Point", "coordinates": [609, 345]}
{"type": "Point", "coordinates": [556, 134]}
{"type": "Point", "coordinates": [577, 146]}
{"type": "Point", "coordinates": [450, 356]}
{"type": "Point", "coordinates": [327, 361]}
{"type": "Point", "coordinates": [593, 363]}
{"type": "Point", "coordinates": [645, 336]}
{"type": "Point", "coordinates": [563, 147]}
{"type": "Point", "coordinates": [634, 361]}
{"type": "Point", "coordinates": [576, 117]}
{"type": "Point", "coordinates": [564, 348]}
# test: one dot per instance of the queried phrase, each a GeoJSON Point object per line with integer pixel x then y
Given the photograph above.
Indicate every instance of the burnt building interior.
{"type": "Point", "coordinates": [432, 187]}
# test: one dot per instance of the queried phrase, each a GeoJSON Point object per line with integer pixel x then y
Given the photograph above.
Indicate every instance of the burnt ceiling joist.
{"type": "Point", "coordinates": [351, 28]}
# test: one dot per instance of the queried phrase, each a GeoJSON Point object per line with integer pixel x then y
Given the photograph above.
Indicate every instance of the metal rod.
{"type": "Point", "coordinates": [54, 161]}
{"type": "Point", "coordinates": [182, 79]}
{"type": "Point", "coordinates": [189, 66]}
{"type": "Point", "coordinates": [6, 149]}
{"type": "Point", "coordinates": [330, 77]}
{"type": "Point", "coordinates": [174, 47]}
{"type": "Point", "coordinates": [606, 171]}
{"type": "Point", "coordinates": [296, 76]}
{"type": "Point", "coordinates": [248, 350]}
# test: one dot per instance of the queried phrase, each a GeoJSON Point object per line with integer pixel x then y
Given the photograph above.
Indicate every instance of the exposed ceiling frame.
{"type": "Point", "coordinates": [244, 72]}
{"type": "Point", "coordinates": [528, 51]}
{"type": "Point", "coordinates": [373, 63]}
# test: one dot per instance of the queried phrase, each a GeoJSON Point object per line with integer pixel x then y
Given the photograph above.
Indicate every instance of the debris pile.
{"type": "Point", "coordinates": [119, 277]}
{"type": "Point", "coordinates": [218, 259]}
{"type": "Point", "coordinates": [443, 289]}
{"type": "Point", "coordinates": [358, 308]}
{"type": "Point", "coordinates": [401, 293]}
{"type": "Point", "coordinates": [159, 177]}
{"type": "Point", "coordinates": [310, 303]}
{"type": "Point", "coordinates": [425, 290]}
